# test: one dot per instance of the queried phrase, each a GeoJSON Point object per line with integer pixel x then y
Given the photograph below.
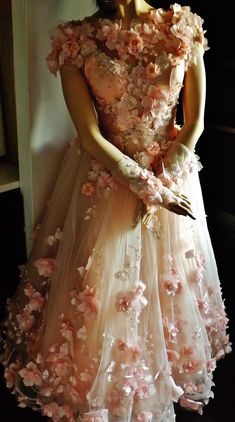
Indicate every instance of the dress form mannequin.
{"type": "Point", "coordinates": [119, 312]}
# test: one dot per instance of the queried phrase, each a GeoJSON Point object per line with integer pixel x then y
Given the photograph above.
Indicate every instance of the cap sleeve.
{"type": "Point", "coordinates": [188, 26]}
{"type": "Point", "coordinates": [198, 40]}
{"type": "Point", "coordinates": [71, 43]}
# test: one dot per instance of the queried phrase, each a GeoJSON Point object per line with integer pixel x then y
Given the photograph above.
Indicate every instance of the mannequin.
{"type": "Point", "coordinates": [119, 312]}
{"type": "Point", "coordinates": [84, 119]}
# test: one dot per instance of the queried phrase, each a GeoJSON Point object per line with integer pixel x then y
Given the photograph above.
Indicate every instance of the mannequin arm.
{"type": "Point", "coordinates": [178, 155]}
{"type": "Point", "coordinates": [194, 95]}
{"type": "Point", "coordinates": [84, 118]}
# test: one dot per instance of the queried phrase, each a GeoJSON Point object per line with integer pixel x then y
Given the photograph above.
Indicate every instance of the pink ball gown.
{"type": "Point", "coordinates": [117, 317]}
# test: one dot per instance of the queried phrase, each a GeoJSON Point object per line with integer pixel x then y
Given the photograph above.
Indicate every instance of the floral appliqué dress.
{"type": "Point", "coordinates": [115, 319]}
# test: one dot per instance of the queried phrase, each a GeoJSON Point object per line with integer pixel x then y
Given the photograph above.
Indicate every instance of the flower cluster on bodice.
{"type": "Point", "coordinates": [135, 74]}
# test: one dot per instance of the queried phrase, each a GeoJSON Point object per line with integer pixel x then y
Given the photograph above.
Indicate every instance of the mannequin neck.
{"type": "Point", "coordinates": [129, 9]}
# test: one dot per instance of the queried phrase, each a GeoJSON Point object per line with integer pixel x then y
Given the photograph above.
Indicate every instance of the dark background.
{"type": "Point", "coordinates": [216, 148]}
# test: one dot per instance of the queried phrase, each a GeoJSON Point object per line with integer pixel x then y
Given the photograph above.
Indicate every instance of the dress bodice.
{"type": "Point", "coordinates": [135, 75]}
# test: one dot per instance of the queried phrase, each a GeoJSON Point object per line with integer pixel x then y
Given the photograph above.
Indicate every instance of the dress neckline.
{"type": "Point", "coordinates": [137, 19]}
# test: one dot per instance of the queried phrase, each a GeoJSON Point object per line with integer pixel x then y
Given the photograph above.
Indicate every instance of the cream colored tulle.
{"type": "Point", "coordinates": [108, 353]}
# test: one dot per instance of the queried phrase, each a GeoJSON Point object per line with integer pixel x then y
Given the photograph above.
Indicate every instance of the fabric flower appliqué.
{"type": "Point", "coordinates": [85, 302]}
{"type": "Point", "coordinates": [45, 266]}
{"type": "Point", "coordinates": [131, 300]}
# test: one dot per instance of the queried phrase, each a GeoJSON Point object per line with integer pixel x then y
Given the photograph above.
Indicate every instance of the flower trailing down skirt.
{"type": "Point", "coordinates": [114, 320]}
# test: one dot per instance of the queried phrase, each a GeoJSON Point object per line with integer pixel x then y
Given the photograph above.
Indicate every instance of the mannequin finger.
{"type": "Point", "coordinates": [181, 195]}
{"type": "Point", "coordinates": [185, 204]}
{"type": "Point", "coordinates": [181, 210]}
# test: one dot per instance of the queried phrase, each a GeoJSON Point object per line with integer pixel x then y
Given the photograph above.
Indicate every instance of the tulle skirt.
{"type": "Point", "coordinates": [114, 320]}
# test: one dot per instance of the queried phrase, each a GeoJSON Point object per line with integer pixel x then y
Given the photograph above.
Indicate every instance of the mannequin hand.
{"type": "Point", "coordinates": [179, 204]}
{"type": "Point", "coordinates": [177, 159]}
{"type": "Point", "coordinates": [150, 188]}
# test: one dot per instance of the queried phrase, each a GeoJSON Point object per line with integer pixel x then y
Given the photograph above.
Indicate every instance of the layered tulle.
{"type": "Point", "coordinates": [113, 317]}
{"type": "Point", "coordinates": [119, 312]}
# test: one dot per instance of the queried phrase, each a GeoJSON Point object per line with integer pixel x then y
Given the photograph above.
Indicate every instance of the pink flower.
{"type": "Point", "coordinates": [86, 301]}
{"type": "Point", "coordinates": [31, 375]}
{"type": "Point", "coordinates": [52, 410]}
{"type": "Point", "coordinates": [145, 416]}
{"type": "Point", "coordinates": [131, 299]}
{"type": "Point", "coordinates": [227, 344]}
{"type": "Point", "coordinates": [172, 286]}
{"type": "Point", "coordinates": [100, 415]}
{"type": "Point", "coordinates": [67, 412]}
{"type": "Point", "coordinates": [198, 276]}
{"type": "Point", "coordinates": [210, 326]}
{"type": "Point", "coordinates": [82, 271]}
{"type": "Point", "coordinates": [173, 331]}
{"type": "Point", "coordinates": [105, 180]}
{"type": "Point", "coordinates": [54, 238]}
{"type": "Point", "coordinates": [96, 166]}
{"type": "Point", "coordinates": [144, 390]}
{"type": "Point", "coordinates": [211, 365]}
{"type": "Point", "coordinates": [11, 373]}
{"type": "Point", "coordinates": [88, 305]}
{"type": "Point", "coordinates": [88, 46]}
{"type": "Point", "coordinates": [36, 302]}
{"type": "Point", "coordinates": [65, 46]}
{"type": "Point", "coordinates": [109, 31]}
{"type": "Point", "coordinates": [88, 189]}
{"type": "Point", "coordinates": [60, 363]}
{"type": "Point", "coordinates": [52, 64]}
{"type": "Point", "coordinates": [66, 330]}
{"type": "Point", "coordinates": [69, 50]}
{"type": "Point", "coordinates": [29, 290]}
{"type": "Point", "coordinates": [124, 388]}
{"type": "Point", "coordinates": [45, 266]}
{"type": "Point", "coordinates": [200, 260]}
{"type": "Point", "coordinates": [181, 30]}
{"type": "Point", "coordinates": [25, 320]}
{"type": "Point", "coordinates": [47, 391]}
{"type": "Point", "coordinates": [82, 333]}
{"type": "Point", "coordinates": [220, 354]}
{"type": "Point", "coordinates": [135, 44]}
{"type": "Point", "coordinates": [123, 301]}
{"type": "Point", "coordinates": [85, 376]}
{"type": "Point", "coordinates": [50, 240]}
{"type": "Point", "coordinates": [159, 16]}
{"type": "Point", "coordinates": [222, 320]}
{"type": "Point", "coordinates": [203, 306]}
{"type": "Point", "coordinates": [130, 353]}
{"type": "Point", "coordinates": [191, 365]}
{"type": "Point", "coordinates": [152, 70]}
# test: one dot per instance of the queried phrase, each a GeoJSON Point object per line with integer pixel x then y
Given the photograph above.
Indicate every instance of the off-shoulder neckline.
{"type": "Point", "coordinates": [138, 17]}
{"type": "Point", "coordinates": [144, 17]}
